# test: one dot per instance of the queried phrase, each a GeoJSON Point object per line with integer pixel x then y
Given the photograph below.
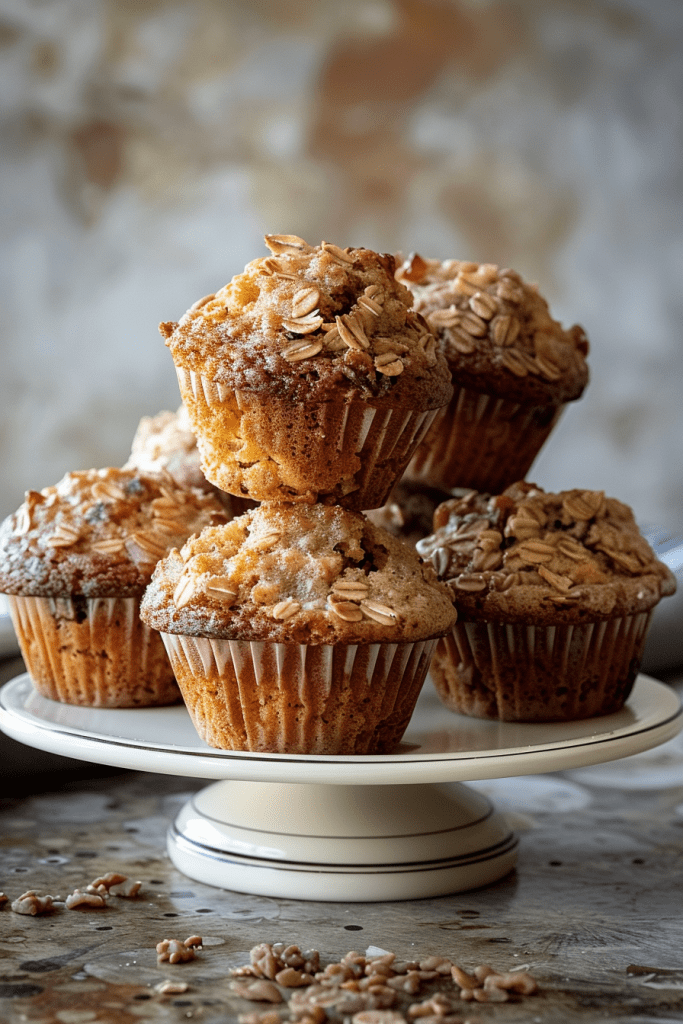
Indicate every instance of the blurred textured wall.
{"type": "Point", "coordinates": [147, 145]}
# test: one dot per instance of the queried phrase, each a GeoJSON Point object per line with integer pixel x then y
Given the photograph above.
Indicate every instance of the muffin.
{"type": "Point", "coordinates": [74, 562]}
{"type": "Point", "coordinates": [165, 442]}
{"type": "Point", "coordinates": [513, 368]}
{"type": "Point", "coordinates": [554, 594]}
{"type": "Point", "coordinates": [298, 629]}
{"type": "Point", "coordinates": [308, 378]}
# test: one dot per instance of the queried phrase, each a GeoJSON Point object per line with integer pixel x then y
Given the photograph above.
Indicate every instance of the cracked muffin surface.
{"type": "Point", "coordinates": [513, 369]}
{"type": "Point", "coordinates": [309, 574]}
{"type": "Point", "coordinates": [496, 331]}
{"type": "Point", "coordinates": [554, 593]}
{"type": "Point", "coordinates": [538, 558]}
{"type": "Point", "coordinates": [310, 323]}
{"type": "Point", "coordinates": [99, 532]}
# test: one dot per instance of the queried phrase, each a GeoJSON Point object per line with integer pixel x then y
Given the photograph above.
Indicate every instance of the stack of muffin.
{"type": "Point", "coordinates": [301, 626]}
{"type": "Point", "coordinates": [312, 382]}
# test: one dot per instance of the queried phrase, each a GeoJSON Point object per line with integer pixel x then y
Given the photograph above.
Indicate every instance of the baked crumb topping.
{"type": "Point", "coordinates": [311, 572]}
{"type": "Point", "coordinates": [98, 531]}
{"type": "Point", "coordinates": [319, 313]}
{"type": "Point", "coordinates": [491, 319]}
{"type": "Point", "coordinates": [526, 548]}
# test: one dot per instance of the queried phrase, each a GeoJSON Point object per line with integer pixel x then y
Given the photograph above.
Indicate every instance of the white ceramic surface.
{"type": "Point", "coordinates": [342, 843]}
{"type": "Point", "coordinates": [438, 746]}
{"type": "Point", "coordinates": [388, 827]}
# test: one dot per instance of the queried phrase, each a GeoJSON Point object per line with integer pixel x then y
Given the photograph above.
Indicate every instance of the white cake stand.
{"type": "Point", "coordinates": [342, 828]}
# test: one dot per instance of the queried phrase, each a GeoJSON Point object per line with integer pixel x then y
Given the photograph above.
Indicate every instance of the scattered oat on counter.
{"type": "Point", "coordinates": [33, 902]}
{"type": "Point", "coordinates": [126, 889]}
{"type": "Point", "coordinates": [104, 883]}
{"type": "Point", "coordinates": [176, 952]}
{"type": "Point", "coordinates": [114, 884]}
{"type": "Point", "coordinates": [264, 1017]}
{"type": "Point", "coordinates": [260, 991]}
{"type": "Point", "coordinates": [171, 988]}
{"type": "Point", "coordinates": [92, 900]}
{"type": "Point", "coordinates": [94, 896]}
{"type": "Point", "coordinates": [490, 986]}
{"type": "Point", "coordinates": [367, 988]}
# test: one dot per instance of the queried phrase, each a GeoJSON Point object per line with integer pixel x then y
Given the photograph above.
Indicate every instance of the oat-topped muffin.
{"type": "Point", "coordinates": [513, 367]}
{"type": "Point", "coordinates": [554, 594]}
{"type": "Point", "coordinates": [299, 628]}
{"type": "Point", "coordinates": [308, 377]}
{"type": "Point", "coordinates": [74, 560]}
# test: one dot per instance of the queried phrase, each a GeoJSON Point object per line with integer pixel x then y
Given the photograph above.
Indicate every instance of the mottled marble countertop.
{"type": "Point", "coordinates": [594, 908]}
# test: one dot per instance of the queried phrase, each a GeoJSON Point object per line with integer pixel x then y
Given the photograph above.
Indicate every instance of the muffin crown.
{"type": "Point", "coordinates": [310, 321]}
{"type": "Point", "coordinates": [309, 574]}
{"type": "Point", "coordinates": [496, 330]}
{"type": "Point", "coordinates": [98, 533]}
{"type": "Point", "coordinates": [530, 556]}
{"type": "Point", "coordinates": [166, 442]}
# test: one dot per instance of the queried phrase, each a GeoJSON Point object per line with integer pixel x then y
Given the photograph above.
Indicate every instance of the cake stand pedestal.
{"type": "Point", "coordinates": [343, 828]}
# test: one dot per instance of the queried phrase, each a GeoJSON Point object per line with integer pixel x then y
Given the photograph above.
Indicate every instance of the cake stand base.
{"type": "Point", "coordinates": [341, 843]}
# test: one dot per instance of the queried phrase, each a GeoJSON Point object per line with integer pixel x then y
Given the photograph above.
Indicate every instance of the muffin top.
{"type": "Point", "coordinates": [98, 533]}
{"type": "Point", "coordinates": [531, 557]}
{"type": "Point", "coordinates": [311, 574]}
{"type": "Point", "coordinates": [314, 322]}
{"type": "Point", "coordinates": [166, 441]}
{"type": "Point", "coordinates": [496, 331]}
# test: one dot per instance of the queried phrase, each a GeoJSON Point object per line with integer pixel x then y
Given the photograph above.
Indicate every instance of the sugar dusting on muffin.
{"type": "Point", "coordinates": [98, 532]}
{"type": "Point", "coordinates": [305, 573]}
{"type": "Point", "coordinates": [321, 315]}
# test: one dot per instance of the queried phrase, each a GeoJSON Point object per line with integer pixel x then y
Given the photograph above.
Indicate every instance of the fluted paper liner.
{"type": "Point", "coordinates": [95, 652]}
{"type": "Point", "coordinates": [481, 441]}
{"type": "Point", "coordinates": [519, 673]}
{"type": "Point", "coordinates": [297, 698]}
{"type": "Point", "coordinates": [268, 449]}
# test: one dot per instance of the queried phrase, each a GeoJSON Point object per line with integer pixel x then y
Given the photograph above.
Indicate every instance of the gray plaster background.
{"type": "Point", "coordinates": [147, 145]}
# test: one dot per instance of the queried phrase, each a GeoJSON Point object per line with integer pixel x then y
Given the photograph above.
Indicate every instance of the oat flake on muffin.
{"type": "Point", "coordinates": [308, 377]}
{"type": "Point", "coordinates": [74, 561]}
{"type": "Point", "coordinates": [554, 595]}
{"type": "Point", "coordinates": [513, 367]}
{"type": "Point", "coordinates": [300, 629]}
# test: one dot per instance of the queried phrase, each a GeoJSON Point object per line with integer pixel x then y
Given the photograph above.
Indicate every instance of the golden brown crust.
{"type": "Point", "coordinates": [496, 331]}
{"type": "Point", "coordinates": [530, 557]}
{"type": "Point", "coordinates": [166, 443]}
{"type": "Point", "coordinates": [313, 323]}
{"type": "Point", "coordinates": [98, 533]}
{"type": "Point", "coordinates": [308, 574]}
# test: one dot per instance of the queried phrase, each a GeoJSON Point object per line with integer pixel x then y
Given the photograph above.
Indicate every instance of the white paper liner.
{"type": "Point", "coordinates": [482, 441]}
{"type": "Point", "coordinates": [539, 673]}
{"type": "Point", "coordinates": [352, 453]}
{"type": "Point", "coordinates": [298, 698]}
{"type": "Point", "coordinates": [94, 652]}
